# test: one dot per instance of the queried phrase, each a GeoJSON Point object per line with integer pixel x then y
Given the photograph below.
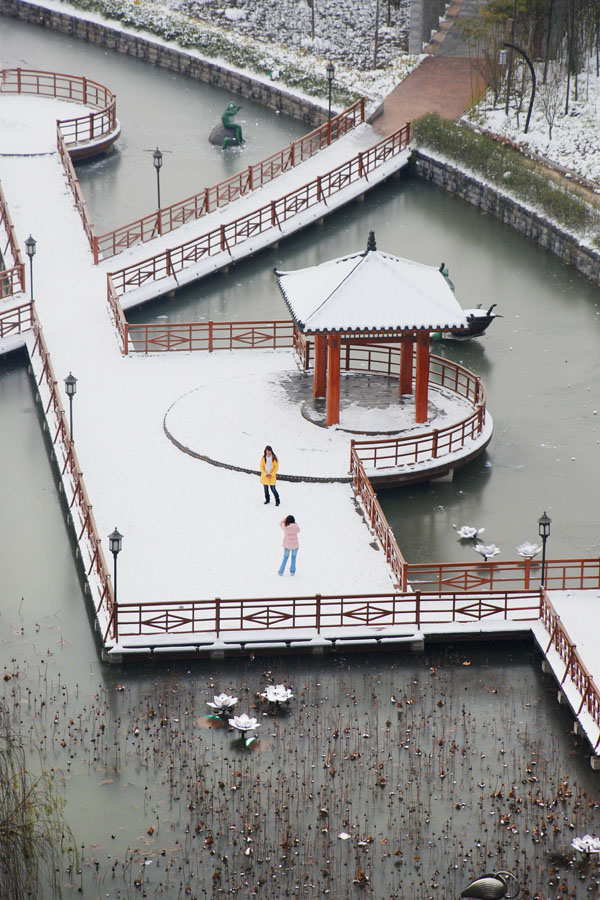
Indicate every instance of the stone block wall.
{"type": "Point", "coordinates": [149, 50]}
{"type": "Point", "coordinates": [424, 19]}
{"type": "Point", "coordinates": [533, 225]}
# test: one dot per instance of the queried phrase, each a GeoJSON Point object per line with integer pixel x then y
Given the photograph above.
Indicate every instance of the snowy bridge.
{"type": "Point", "coordinates": [198, 538]}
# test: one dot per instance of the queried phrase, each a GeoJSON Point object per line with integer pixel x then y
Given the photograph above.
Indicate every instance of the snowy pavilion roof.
{"type": "Point", "coordinates": [370, 291]}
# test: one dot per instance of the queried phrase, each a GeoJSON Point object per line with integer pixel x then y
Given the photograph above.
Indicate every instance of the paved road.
{"type": "Point", "coordinates": [446, 82]}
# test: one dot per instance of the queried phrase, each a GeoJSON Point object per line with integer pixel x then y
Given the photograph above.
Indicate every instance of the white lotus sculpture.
{"type": "Point", "coordinates": [245, 725]}
{"type": "Point", "coordinates": [277, 693]}
{"type": "Point", "coordinates": [528, 550]}
{"type": "Point", "coordinates": [586, 844]}
{"type": "Point", "coordinates": [468, 533]}
{"type": "Point", "coordinates": [488, 551]}
{"type": "Point", "coordinates": [222, 704]}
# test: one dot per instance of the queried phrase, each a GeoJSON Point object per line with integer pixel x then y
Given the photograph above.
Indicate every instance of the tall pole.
{"type": "Point", "coordinates": [533, 81]}
{"type": "Point", "coordinates": [30, 247]}
{"type": "Point", "coordinates": [157, 158]}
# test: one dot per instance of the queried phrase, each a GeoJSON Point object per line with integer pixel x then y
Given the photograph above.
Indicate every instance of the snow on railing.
{"type": "Point", "coordinates": [271, 215]}
{"type": "Point", "coordinates": [255, 176]}
{"type": "Point", "coordinates": [12, 279]}
{"type": "Point", "coordinates": [76, 495]}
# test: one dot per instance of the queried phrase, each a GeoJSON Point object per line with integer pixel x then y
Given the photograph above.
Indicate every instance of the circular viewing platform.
{"type": "Point", "coordinates": [279, 400]}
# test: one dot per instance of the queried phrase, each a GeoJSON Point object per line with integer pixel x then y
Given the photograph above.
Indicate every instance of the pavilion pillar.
{"type": "Point", "coordinates": [422, 377]}
{"type": "Point", "coordinates": [406, 367]}
{"type": "Point", "coordinates": [320, 382]}
{"type": "Point", "coordinates": [333, 379]}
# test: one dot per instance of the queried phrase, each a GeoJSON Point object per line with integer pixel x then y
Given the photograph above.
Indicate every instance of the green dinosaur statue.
{"type": "Point", "coordinates": [227, 120]}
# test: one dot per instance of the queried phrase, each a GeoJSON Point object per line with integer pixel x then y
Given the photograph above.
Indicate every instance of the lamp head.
{"type": "Point", "coordinates": [70, 384]}
{"type": "Point", "coordinates": [115, 542]}
{"type": "Point", "coordinates": [30, 247]}
{"type": "Point", "coordinates": [502, 57]}
{"type": "Point", "coordinates": [544, 525]}
{"type": "Point", "coordinates": [330, 71]}
{"type": "Point", "coordinates": [157, 157]}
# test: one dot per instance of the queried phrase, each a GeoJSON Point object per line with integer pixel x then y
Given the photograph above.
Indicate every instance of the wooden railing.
{"type": "Point", "coordinates": [209, 336]}
{"type": "Point", "coordinates": [271, 215]}
{"type": "Point", "coordinates": [72, 479]}
{"type": "Point", "coordinates": [561, 575]}
{"type": "Point", "coordinates": [73, 182]}
{"type": "Point", "coordinates": [574, 666]}
{"type": "Point", "coordinates": [16, 320]}
{"type": "Point", "coordinates": [171, 217]}
{"type": "Point", "coordinates": [318, 614]}
{"type": "Point", "coordinates": [73, 88]}
{"type": "Point", "coordinates": [12, 278]}
{"type": "Point", "coordinates": [363, 489]}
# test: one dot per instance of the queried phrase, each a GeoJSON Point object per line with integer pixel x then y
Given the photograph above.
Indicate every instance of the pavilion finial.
{"type": "Point", "coordinates": [371, 245]}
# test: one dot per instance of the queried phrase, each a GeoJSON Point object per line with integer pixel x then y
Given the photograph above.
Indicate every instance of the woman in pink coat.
{"type": "Point", "coordinates": [290, 543]}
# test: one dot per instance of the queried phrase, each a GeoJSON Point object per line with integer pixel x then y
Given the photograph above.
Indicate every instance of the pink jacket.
{"type": "Point", "coordinates": [290, 535]}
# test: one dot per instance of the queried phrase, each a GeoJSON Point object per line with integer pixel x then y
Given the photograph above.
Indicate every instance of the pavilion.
{"type": "Point", "coordinates": [368, 298]}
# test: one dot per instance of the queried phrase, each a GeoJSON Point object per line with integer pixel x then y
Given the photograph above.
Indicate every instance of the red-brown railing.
{"type": "Point", "coordinates": [75, 491]}
{"type": "Point", "coordinates": [561, 575]}
{"type": "Point", "coordinates": [171, 217]}
{"type": "Point", "coordinates": [12, 278]}
{"type": "Point", "coordinates": [209, 336]}
{"type": "Point", "coordinates": [15, 320]}
{"type": "Point", "coordinates": [271, 215]}
{"type": "Point", "coordinates": [254, 619]}
{"type": "Point", "coordinates": [363, 489]}
{"type": "Point", "coordinates": [73, 88]}
{"type": "Point", "coordinates": [73, 182]}
{"type": "Point", "coordinates": [574, 666]}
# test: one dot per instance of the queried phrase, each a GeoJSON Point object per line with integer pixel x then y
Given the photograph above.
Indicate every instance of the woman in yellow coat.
{"type": "Point", "coordinates": [268, 473]}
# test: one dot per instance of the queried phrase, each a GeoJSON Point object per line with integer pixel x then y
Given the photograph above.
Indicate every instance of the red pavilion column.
{"type": "Point", "coordinates": [320, 379]}
{"type": "Point", "coordinates": [422, 377]}
{"type": "Point", "coordinates": [333, 379]}
{"type": "Point", "coordinates": [406, 367]}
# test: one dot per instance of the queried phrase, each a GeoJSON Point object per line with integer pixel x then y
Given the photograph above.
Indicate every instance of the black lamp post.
{"type": "Point", "coordinates": [115, 542]}
{"type": "Point", "coordinates": [71, 389]}
{"type": "Point", "coordinates": [30, 247]}
{"type": "Point", "coordinates": [544, 532]}
{"type": "Point", "coordinates": [502, 61]}
{"type": "Point", "coordinates": [157, 157]}
{"type": "Point", "coordinates": [330, 77]}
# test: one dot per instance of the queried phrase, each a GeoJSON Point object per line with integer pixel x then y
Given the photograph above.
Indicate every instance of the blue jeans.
{"type": "Point", "coordinates": [286, 553]}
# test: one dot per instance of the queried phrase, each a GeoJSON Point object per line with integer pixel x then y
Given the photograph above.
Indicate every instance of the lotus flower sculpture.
{"type": "Point", "coordinates": [222, 704]}
{"type": "Point", "coordinates": [528, 550]}
{"type": "Point", "coordinates": [245, 725]}
{"type": "Point", "coordinates": [277, 693]}
{"type": "Point", "coordinates": [586, 844]}
{"type": "Point", "coordinates": [488, 551]}
{"type": "Point", "coordinates": [468, 533]}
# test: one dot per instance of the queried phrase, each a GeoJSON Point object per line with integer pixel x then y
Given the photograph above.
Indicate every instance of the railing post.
{"type": "Point", "coordinates": [250, 179]}
{"type": "Point", "coordinates": [318, 613]}
{"type": "Point", "coordinates": [434, 443]}
{"type": "Point", "coordinates": [95, 249]}
{"type": "Point", "coordinates": [210, 337]}
{"type": "Point", "coordinates": [362, 109]}
{"type": "Point", "coordinates": [418, 609]}
{"type": "Point", "coordinates": [126, 339]}
{"type": "Point", "coordinates": [218, 615]}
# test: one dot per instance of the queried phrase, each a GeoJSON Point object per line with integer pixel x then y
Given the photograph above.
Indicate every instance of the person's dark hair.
{"type": "Point", "coordinates": [273, 454]}
{"type": "Point", "coordinates": [289, 520]}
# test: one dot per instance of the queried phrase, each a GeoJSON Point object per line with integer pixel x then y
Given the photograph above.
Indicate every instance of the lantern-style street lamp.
{"type": "Point", "coordinates": [330, 77]}
{"type": "Point", "coordinates": [544, 532]}
{"type": "Point", "coordinates": [158, 159]}
{"type": "Point", "coordinates": [71, 389]}
{"type": "Point", "coordinates": [30, 247]}
{"type": "Point", "coordinates": [115, 542]}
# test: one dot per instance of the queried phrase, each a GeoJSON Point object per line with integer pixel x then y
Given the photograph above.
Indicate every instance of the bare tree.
{"type": "Point", "coordinates": [550, 97]}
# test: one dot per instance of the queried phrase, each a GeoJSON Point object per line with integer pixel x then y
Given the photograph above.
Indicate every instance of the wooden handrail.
{"type": "Point", "coordinates": [178, 258]}
{"type": "Point", "coordinates": [12, 279]}
{"type": "Point", "coordinates": [72, 478]}
{"type": "Point", "coordinates": [255, 176]}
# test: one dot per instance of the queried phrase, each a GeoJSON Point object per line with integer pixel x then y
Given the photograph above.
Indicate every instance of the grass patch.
{"type": "Point", "coordinates": [507, 169]}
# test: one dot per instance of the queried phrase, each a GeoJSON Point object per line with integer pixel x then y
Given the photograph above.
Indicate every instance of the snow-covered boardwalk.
{"type": "Point", "coordinates": [198, 537]}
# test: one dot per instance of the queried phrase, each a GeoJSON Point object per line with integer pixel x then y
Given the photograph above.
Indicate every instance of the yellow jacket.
{"type": "Point", "coordinates": [268, 479]}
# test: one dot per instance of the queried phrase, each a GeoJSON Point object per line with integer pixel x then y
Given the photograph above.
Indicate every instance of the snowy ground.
{"type": "Point", "coordinates": [575, 141]}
